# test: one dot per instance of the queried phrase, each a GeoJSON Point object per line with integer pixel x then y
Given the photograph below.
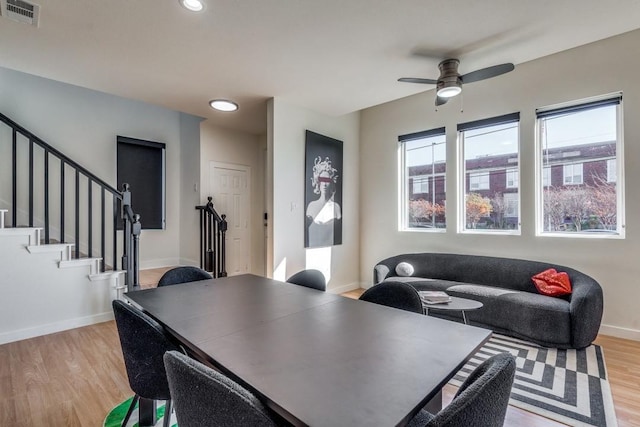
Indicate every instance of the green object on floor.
{"type": "Point", "coordinates": [116, 415]}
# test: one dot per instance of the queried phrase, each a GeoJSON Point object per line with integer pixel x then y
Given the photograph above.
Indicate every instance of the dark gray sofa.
{"type": "Point", "coordinates": [512, 304]}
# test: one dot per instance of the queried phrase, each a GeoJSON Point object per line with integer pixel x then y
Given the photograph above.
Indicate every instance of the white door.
{"type": "Point", "coordinates": [229, 185]}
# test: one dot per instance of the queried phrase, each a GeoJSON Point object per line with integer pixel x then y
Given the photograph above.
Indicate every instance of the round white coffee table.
{"type": "Point", "coordinates": [456, 304]}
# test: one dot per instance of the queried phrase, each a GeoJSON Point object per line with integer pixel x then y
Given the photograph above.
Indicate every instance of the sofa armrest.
{"type": "Point", "coordinates": [585, 308]}
{"type": "Point", "coordinates": [380, 272]}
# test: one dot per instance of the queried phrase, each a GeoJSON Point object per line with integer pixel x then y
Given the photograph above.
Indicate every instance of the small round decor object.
{"type": "Point", "coordinates": [404, 269]}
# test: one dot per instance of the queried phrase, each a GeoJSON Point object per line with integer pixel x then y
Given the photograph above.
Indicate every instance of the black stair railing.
{"type": "Point", "coordinates": [213, 229]}
{"type": "Point", "coordinates": [46, 173]}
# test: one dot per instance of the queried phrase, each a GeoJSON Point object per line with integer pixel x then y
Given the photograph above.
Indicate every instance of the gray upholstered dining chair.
{"type": "Point", "coordinates": [144, 342]}
{"type": "Point", "coordinates": [481, 400]}
{"type": "Point", "coordinates": [310, 278]}
{"type": "Point", "coordinates": [394, 294]}
{"type": "Point", "coordinates": [183, 274]}
{"type": "Point", "coordinates": [204, 397]}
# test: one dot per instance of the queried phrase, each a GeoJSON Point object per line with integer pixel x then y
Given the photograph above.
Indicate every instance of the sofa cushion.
{"type": "Point", "coordinates": [404, 269]}
{"type": "Point", "coordinates": [423, 283]}
{"type": "Point", "coordinates": [536, 316]}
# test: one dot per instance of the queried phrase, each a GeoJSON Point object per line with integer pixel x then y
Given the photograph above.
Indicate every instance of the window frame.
{"type": "Point", "coordinates": [577, 106]}
{"type": "Point", "coordinates": [403, 179]}
{"type": "Point", "coordinates": [462, 186]}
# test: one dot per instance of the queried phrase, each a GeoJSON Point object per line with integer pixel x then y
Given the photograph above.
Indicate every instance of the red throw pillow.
{"type": "Point", "coordinates": [552, 283]}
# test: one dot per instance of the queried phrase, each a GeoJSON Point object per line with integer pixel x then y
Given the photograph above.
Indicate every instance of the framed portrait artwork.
{"type": "Point", "coordinates": [323, 191]}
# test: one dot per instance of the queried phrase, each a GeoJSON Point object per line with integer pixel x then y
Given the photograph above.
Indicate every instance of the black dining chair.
{"type": "Point", "coordinates": [144, 342]}
{"type": "Point", "coordinates": [204, 397]}
{"type": "Point", "coordinates": [394, 294]}
{"type": "Point", "coordinates": [310, 278]}
{"type": "Point", "coordinates": [482, 399]}
{"type": "Point", "coordinates": [183, 274]}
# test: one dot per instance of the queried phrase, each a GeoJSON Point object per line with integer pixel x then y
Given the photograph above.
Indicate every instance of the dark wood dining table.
{"type": "Point", "coordinates": [315, 358]}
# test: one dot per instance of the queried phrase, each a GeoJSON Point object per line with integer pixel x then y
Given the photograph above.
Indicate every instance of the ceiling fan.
{"type": "Point", "coordinates": [449, 84]}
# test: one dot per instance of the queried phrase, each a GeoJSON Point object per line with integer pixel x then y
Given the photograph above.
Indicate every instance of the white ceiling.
{"type": "Point", "coordinates": [331, 56]}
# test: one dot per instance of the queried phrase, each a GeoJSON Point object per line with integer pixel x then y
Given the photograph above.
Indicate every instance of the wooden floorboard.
{"type": "Point", "coordinates": [74, 378]}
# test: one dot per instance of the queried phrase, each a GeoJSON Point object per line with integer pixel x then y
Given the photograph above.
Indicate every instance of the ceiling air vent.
{"type": "Point", "coordinates": [21, 11]}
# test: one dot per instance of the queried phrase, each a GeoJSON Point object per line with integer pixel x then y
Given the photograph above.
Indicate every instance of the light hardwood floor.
{"type": "Point", "coordinates": [74, 378]}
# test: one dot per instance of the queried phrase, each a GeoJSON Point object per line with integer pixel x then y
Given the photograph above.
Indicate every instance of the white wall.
{"type": "Point", "coordinates": [286, 146]}
{"type": "Point", "coordinates": [83, 124]}
{"type": "Point", "coordinates": [40, 298]}
{"type": "Point", "coordinates": [603, 67]}
{"type": "Point", "coordinates": [189, 189]}
{"type": "Point", "coordinates": [239, 148]}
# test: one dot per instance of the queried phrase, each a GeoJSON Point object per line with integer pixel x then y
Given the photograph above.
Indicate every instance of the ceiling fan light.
{"type": "Point", "coordinates": [192, 5]}
{"type": "Point", "coordinates": [449, 91]}
{"type": "Point", "coordinates": [223, 105]}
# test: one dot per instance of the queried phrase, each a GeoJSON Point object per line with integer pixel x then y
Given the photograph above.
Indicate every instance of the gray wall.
{"type": "Point", "coordinates": [189, 195]}
{"type": "Point", "coordinates": [600, 68]}
{"type": "Point", "coordinates": [84, 124]}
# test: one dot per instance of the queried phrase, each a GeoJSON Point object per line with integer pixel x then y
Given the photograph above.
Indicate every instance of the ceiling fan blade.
{"type": "Point", "coordinates": [441, 100]}
{"type": "Point", "coordinates": [417, 80]}
{"type": "Point", "coordinates": [487, 73]}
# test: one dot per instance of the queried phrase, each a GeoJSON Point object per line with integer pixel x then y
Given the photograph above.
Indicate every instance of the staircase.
{"type": "Point", "coordinates": [47, 201]}
{"type": "Point", "coordinates": [45, 290]}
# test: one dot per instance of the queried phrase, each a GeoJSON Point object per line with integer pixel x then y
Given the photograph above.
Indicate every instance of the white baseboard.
{"type": "Point", "coordinates": [344, 288]}
{"type": "Point", "coordinates": [51, 328]}
{"type": "Point", "coordinates": [619, 332]}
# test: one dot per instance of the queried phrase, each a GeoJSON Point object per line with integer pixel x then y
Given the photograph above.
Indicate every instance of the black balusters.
{"type": "Point", "coordinates": [62, 164]}
{"type": "Point", "coordinates": [14, 165]}
{"type": "Point", "coordinates": [46, 197]}
{"type": "Point", "coordinates": [102, 230]}
{"type": "Point", "coordinates": [77, 245]}
{"type": "Point", "coordinates": [30, 182]}
{"type": "Point", "coordinates": [212, 240]}
{"type": "Point", "coordinates": [90, 217]}
{"type": "Point", "coordinates": [132, 223]}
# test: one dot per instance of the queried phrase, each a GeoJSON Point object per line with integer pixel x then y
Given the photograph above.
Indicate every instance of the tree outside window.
{"type": "Point", "coordinates": [477, 207]}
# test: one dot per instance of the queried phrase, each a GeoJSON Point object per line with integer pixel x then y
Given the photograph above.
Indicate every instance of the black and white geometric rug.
{"type": "Point", "coordinates": [568, 386]}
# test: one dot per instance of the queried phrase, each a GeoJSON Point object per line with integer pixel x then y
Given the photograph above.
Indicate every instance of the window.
{"type": "Point", "coordinates": [512, 178]}
{"type": "Point", "coordinates": [490, 174]}
{"type": "Point", "coordinates": [584, 140]}
{"type": "Point", "coordinates": [546, 176]}
{"type": "Point", "coordinates": [611, 170]}
{"type": "Point", "coordinates": [572, 174]}
{"type": "Point", "coordinates": [142, 165]}
{"type": "Point", "coordinates": [511, 205]}
{"type": "Point", "coordinates": [423, 159]}
{"type": "Point", "coordinates": [420, 184]}
{"type": "Point", "coordinates": [479, 180]}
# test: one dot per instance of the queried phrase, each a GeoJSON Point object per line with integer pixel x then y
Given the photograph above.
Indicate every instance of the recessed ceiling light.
{"type": "Point", "coordinates": [192, 5]}
{"type": "Point", "coordinates": [223, 105]}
